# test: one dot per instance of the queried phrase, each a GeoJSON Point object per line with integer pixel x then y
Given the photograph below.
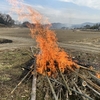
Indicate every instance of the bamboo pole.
{"type": "Point", "coordinates": [20, 82]}
{"type": "Point", "coordinates": [70, 93]}
{"type": "Point", "coordinates": [95, 78]}
{"type": "Point", "coordinates": [33, 93]}
{"type": "Point", "coordinates": [92, 70]}
{"type": "Point", "coordinates": [52, 89]}
{"type": "Point", "coordinates": [54, 80]}
{"type": "Point", "coordinates": [78, 89]}
{"type": "Point", "coordinates": [84, 83]}
{"type": "Point", "coordinates": [88, 81]}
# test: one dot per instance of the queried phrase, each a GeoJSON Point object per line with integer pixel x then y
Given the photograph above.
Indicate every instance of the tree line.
{"type": "Point", "coordinates": [95, 26]}
{"type": "Point", "coordinates": [7, 20]}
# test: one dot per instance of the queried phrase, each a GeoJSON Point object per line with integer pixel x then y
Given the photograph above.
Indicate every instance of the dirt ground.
{"type": "Point", "coordinates": [20, 37]}
{"type": "Point", "coordinates": [82, 40]}
{"type": "Point", "coordinates": [80, 45]}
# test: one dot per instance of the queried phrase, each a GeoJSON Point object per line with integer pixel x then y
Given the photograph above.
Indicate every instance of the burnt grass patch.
{"type": "Point", "coordinates": [5, 41]}
{"type": "Point", "coordinates": [84, 58]}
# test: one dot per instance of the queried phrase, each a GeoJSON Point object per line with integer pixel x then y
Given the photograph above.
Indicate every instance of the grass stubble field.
{"type": "Point", "coordinates": [80, 45]}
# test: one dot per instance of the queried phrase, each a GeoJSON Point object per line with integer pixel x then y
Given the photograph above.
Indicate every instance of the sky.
{"type": "Point", "coordinates": [62, 11]}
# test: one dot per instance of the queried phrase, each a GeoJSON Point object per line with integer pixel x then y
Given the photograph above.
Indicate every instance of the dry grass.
{"type": "Point", "coordinates": [66, 36]}
{"type": "Point", "coordinates": [11, 63]}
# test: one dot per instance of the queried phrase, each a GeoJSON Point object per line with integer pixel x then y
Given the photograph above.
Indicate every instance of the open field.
{"type": "Point", "coordinates": [80, 45]}
{"type": "Point", "coordinates": [80, 40]}
{"type": "Point", "coordinates": [20, 37]}
{"type": "Point", "coordinates": [67, 38]}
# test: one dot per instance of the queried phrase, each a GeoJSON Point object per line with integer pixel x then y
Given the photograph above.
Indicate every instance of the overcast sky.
{"type": "Point", "coordinates": [64, 11]}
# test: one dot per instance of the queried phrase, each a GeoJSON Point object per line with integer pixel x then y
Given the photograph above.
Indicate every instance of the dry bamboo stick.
{"type": "Point", "coordinates": [89, 69]}
{"type": "Point", "coordinates": [72, 89]}
{"type": "Point", "coordinates": [20, 82]}
{"type": "Point", "coordinates": [70, 93]}
{"type": "Point", "coordinates": [33, 93]}
{"type": "Point", "coordinates": [95, 78]}
{"type": "Point", "coordinates": [31, 47]}
{"type": "Point", "coordinates": [58, 94]}
{"type": "Point", "coordinates": [93, 89]}
{"type": "Point", "coordinates": [79, 90]}
{"type": "Point", "coordinates": [54, 80]}
{"type": "Point", "coordinates": [67, 97]}
{"type": "Point", "coordinates": [32, 56]}
{"type": "Point", "coordinates": [47, 95]}
{"type": "Point", "coordinates": [84, 82]}
{"type": "Point", "coordinates": [81, 94]}
{"type": "Point", "coordinates": [52, 89]}
{"type": "Point", "coordinates": [88, 81]}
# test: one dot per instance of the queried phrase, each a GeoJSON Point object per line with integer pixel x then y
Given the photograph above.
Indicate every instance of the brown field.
{"type": "Point", "coordinates": [80, 45]}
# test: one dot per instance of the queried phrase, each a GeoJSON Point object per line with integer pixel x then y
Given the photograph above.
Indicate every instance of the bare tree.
{"type": "Point", "coordinates": [6, 19]}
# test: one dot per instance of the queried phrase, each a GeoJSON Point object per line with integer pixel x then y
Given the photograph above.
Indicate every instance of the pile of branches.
{"type": "Point", "coordinates": [80, 84]}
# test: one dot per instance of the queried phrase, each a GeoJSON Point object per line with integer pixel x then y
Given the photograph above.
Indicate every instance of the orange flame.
{"type": "Point", "coordinates": [98, 75]}
{"type": "Point", "coordinates": [50, 57]}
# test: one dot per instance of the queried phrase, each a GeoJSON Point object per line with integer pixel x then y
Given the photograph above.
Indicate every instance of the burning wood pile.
{"type": "Point", "coordinates": [81, 83]}
{"type": "Point", "coordinates": [66, 80]}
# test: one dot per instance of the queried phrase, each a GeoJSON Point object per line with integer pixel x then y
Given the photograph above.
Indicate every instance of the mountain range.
{"type": "Point", "coordinates": [65, 25]}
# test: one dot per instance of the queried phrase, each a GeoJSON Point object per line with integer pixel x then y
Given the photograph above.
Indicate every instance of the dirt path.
{"type": "Point", "coordinates": [18, 42]}
{"type": "Point", "coordinates": [21, 38]}
{"type": "Point", "coordinates": [81, 47]}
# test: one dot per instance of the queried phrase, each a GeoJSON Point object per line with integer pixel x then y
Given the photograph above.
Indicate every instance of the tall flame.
{"type": "Point", "coordinates": [50, 57]}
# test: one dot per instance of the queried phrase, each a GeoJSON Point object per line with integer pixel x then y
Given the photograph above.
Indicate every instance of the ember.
{"type": "Point", "coordinates": [98, 75]}
{"type": "Point", "coordinates": [46, 42]}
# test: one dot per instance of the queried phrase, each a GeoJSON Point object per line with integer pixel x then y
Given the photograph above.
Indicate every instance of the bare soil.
{"type": "Point", "coordinates": [80, 45]}
{"type": "Point", "coordinates": [20, 37]}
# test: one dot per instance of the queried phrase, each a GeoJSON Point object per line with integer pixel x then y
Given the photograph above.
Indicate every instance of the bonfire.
{"type": "Point", "coordinates": [53, 62]}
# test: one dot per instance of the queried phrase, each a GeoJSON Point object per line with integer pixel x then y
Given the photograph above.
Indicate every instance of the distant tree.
{"type": "Point", "coordinates": [25, 24]}
{"type": "Point", "coordinates": [17, 23]}
{"type": "Point", "coordinates": [87, 26]}
{"type": "Point", "coordinates": [6, 19]}
{"type": "Point", "coordinates": [96, 26]}
{"type": "Point", "coordinates": [2, 19]}
{"type": "Point", "coordinates": [63, 27]}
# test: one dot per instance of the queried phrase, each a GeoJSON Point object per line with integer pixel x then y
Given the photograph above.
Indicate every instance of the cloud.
{"type": "Point", "coordinates": [89, 3]}
{"type": "Point", "coordinates": [63, 15]}
{"type": "Point", "coordinates": [67, 15]}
